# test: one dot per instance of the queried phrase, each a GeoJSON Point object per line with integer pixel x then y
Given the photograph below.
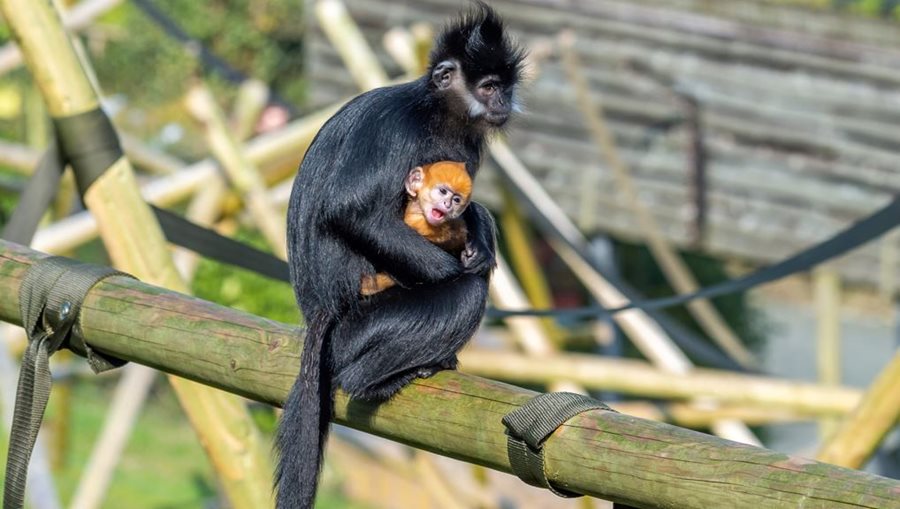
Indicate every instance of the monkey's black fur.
{"type": "Point", "coordinates": [345, 220]}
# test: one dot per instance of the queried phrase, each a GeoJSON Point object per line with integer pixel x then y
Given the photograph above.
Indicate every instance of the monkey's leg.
{"type": "Point", "coordinates": [401, 334]}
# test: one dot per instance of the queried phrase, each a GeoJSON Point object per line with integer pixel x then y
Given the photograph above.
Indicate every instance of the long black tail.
{"type": "Point", "coordinates": [304, 422]}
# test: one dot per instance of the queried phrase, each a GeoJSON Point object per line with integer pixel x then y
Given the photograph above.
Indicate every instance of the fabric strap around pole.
{"type": "Point", "coordinates": [528, 426]}
{"type": "Point", "coordinates": [50, 299]}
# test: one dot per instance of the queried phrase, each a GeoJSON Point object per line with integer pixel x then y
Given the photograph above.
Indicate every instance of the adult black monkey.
{"type": "Point", "coordinates": [345, 221]}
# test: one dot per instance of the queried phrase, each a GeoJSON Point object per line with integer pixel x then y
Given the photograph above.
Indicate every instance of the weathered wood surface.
{"type": "Point", "coordinates": [800, 110]}
{"type": "Point", "coordinates": [613, 456]}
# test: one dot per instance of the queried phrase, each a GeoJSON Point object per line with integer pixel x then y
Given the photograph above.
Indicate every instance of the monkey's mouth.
{"type": "Point", "coordinates": [437, 215]}
{"type": "Point", "coordinates": [496, 119]}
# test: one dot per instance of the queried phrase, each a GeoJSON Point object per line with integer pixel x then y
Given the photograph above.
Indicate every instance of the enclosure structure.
{"type": "Point", "coordinates": [453, 414]}
{"type": "Point", "coordinates": [797, 112]}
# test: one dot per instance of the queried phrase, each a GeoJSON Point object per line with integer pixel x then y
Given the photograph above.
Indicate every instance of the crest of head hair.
{"type": "Point", "coordinates": [478, 41]}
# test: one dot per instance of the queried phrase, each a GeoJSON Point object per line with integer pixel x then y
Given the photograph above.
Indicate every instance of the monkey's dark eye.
{"type": "Point", "coordinates": [489, 88]}
{"type": "Point", "coordinates": [457, 200]}
{"type": "Point", "coordinates": [443, 191]}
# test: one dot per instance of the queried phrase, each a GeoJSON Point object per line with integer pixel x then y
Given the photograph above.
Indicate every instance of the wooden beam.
{"type": "Point", "coordinates": [608, 455]}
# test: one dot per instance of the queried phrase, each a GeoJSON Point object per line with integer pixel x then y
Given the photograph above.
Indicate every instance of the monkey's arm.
{"type": "Point", "coordinates": [479, 256]}
{"type": "Point", "coordinates": [450, 236]}
{"type": "Point", "coordinates": [390, 245]}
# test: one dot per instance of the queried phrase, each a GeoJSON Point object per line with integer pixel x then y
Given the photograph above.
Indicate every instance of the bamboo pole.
{"type": "Point", "coordinates": [148, 158]}
{"type": "Point", "coordinates": [75, 19]}
{"type": "Point", "coordinates": [17, 157]}
{"type": "Point", "coordinates": [124, 410]}
{"type": "Point", "coordinates": [528, 330]}
{"type": "Point", "coordinates": [876, 415]}
{"type": "Point", "coordinates": [23, 159]}
{"type": "Point", "coordinates": [639, 378]}
{"type": "Point", "coordinates": [526, 266]}
{"type": "Point", "coordinates": [676, 271]}
{"type": "Point", "coordinates": [266, 150]}
{"type": "Point", "coordinates": [135, 244]}
{"type": "Point", "coordinates": [649, 338]}
{"type": "Point", "coordinates": [242, 174]}
{"type": "Point", "coordinates": [252, 97]}
{"type": "Point", "coordinates": [342, 31]}
{"type": "Point", "coordinates": [698, 415]}
{"type": "Point", "coordinates": [827, 293]}
{"type": "Point", "coordinates": [644, 333]}
{"type": "Point", "coordinates": [399, 44]}
{"type": "Point", "coordinates": [207, 204]}
{"type": "Point", "coordinates": [596, 453]}
{"type": "Point", "coordinates": [373, 481]}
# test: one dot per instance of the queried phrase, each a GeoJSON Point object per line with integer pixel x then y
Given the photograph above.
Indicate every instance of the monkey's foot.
{"type": "Point", "coordinates": [429, 371]}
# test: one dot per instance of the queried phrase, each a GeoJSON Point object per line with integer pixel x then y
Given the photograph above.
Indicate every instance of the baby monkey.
{"type": "Point", "coordinates": [438, 194]}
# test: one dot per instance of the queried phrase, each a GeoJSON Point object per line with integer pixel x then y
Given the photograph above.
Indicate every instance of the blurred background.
{"type": "Point", "coordinates": [726, 136]}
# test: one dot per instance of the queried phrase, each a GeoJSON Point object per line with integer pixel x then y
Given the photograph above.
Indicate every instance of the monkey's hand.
{"type": "Point", "coordinates": [479, 256]}
{"type": "Point", "coordinates": [395, 248]}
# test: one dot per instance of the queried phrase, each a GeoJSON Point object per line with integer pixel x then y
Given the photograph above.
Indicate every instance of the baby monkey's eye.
{"type": "Point", "coordinates": [457, 200]}
{"type": "Point", "coordinates": [443, 191]}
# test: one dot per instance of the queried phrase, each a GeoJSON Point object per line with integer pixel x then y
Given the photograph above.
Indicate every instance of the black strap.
{"type": "Point", "coordinates": [36, 197]}
{"type": "Point", "coordinates": [850, 238]}
{"type": "Point", "coordinates": [50, 299]}
{"type": "Point", "coordinates": [88, 141]}
{"type": "Point", "coordinates": [528, 426]}
{"type": "Point", "coordinates": [209, 243]}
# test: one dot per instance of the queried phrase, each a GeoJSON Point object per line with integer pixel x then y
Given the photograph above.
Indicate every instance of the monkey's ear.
{"type": "Point", "coordinates": [442, 75]}
{"type": "Point", "coordinates": [414, 181]}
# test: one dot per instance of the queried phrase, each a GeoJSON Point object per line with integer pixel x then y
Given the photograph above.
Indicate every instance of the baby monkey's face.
{"type": "Point", "coordinates": [442, 203]}
{"type": "Point", "coordinates": [442, 190]}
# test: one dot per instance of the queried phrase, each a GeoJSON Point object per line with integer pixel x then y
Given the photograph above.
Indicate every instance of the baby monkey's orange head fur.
{"type": "Point", "coordinates": [442, 190]}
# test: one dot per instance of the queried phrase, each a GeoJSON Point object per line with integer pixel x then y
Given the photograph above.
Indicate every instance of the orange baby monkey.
{"type": "Point", "coordinates": [438, 194]}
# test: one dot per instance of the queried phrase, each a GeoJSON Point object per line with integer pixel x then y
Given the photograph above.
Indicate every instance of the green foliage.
{"type": "Point", "coordinates": [874, 8]}
{"type": "Point", "coordinates": [162, 452]}
{"type": "Point", "coordinates": [639, 268]}
{"type": "Point", "coordinates": [150, 71]}
{"type": "Point", "coordinates": [244, 290]}
{"type": "Point", "coordinates": [260, 38]}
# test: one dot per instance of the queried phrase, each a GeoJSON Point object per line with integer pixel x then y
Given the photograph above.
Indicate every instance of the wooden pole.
{"type": "Point", "coordinates": [252, 97]}
{"type": "Point", "coordinates": [267, 150]}
{"type": "Point", "coordinates": [76, 18]}
{"type": "Point", "coordinates": [639, 378]}
{"type": "Point", "coordinates": [356, 53]}
{"type": "Point", "coordinates": [827, 290]}
{"type": "Point", "coordinates": [876, 415]}
{"type": "Point", "coordinates": [596, 453]}
{"type": "Point", "coordinates": [676, 271]}
{"type": "Point", "coordinates": [136, 244]}
{"type": "Point", "coordinates": [242, 174]}
{"type": "Point", "coordinates": [645, 334]}
{"type": "Point", "coordinates": [526, 265]}
{"type": "Point", "coordinates": [125, 407]}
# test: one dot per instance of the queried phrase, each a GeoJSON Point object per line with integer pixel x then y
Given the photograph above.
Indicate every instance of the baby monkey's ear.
{"type": "Point", "coordinates": [414, 181]}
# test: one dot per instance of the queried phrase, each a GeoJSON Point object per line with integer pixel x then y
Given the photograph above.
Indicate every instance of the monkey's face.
{"type": "Point", "coordinates": [494, 100]}
{"type": "Point", "coordinates": [442, 203]}
{"type": "Point", "coordinates": [485, 100]}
